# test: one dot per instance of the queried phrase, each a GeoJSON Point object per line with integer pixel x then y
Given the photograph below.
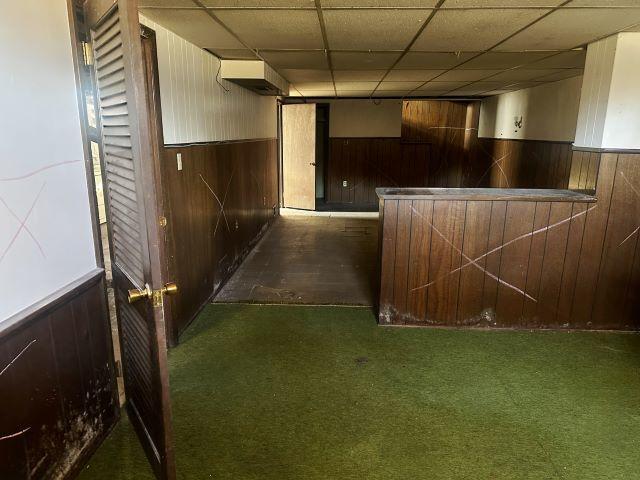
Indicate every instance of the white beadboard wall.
{"type": "Point", "coordinates": [195, 108]}
{"type": "Point", "coordinates": [596, 85]}
{"type": "Point", "coordinates": [548, 112]}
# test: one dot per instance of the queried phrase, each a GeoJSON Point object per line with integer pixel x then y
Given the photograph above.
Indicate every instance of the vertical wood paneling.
{"type": "Point", "coordinates": [196, 107]}
{"type": "Point", "coordinates": [419, 255]}
{"type": "Point", "coordinates": [403, 245]}
{"type": "Point", "coordinates": [388, 260]}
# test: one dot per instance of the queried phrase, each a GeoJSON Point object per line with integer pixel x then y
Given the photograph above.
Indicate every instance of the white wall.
{"type": "Point", "coordinates": [195, 108]}
{"type": "Point", "coordinates": [42, 174]}
{"type": "Point", "coordinates": [549, 112]}
{"type": "Point", "coordinates": [364, 118]}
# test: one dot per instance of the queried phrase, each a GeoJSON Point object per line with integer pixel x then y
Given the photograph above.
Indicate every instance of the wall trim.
{"type": "Point", "coordinates": [50, 302]}
{"type": "Point", "coordinates": [218, 142]}
{"type": "Point", "coordinates": [567, 142]}
{"type": "Point", "coordinates": [577, 148]}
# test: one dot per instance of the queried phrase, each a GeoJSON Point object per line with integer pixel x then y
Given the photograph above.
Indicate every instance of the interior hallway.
{"type": "Point", "coordinates": [310, 258]}
{"type": "Point", "coordinates": [303, 392]}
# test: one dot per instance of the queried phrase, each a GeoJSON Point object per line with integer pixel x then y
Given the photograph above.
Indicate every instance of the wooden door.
{"type": "Point", "coordinates": [134, 215]}
{"type": "Point", "coordinates": [299, 156]}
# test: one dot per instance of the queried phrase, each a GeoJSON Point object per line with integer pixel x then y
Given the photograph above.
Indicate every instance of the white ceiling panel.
{"type": "Point", "coordinates": [296, 75]}
{"type": "Point", "coordinates": [354, 93]}
{"type": "Point", "coordinates": [605, 3]}
{"type": "Point", "coordinates": [390, 93]}
{"type": "Point", "coordinates": [397, 86]}
{"type": "Point", "coordinates": [318, 93]}
{"type": "Point", "coordinates": [467, 30]}
{"type": "Point", "coordinates": [379, 3]}
{"type": "Point", "coordinates": [234, 53]}
{"type": "Point", "coordinates": [572, 59]}
{"type": "Point", "coordinates": [441, 86]}
{"type": "Point", "coordinates": [358, 75]}
{"type": "Point", "coordinates": [412, 75]}
{"type": "Point", "coordinates": [314, 85]}
{"type": "Point", "coordinates": [466, 75]}
{"type": "Point", "coordinates": [503, 60]}
{"type": "Point", "coordinates": [167, 3]}
{"type": "Point", "coordinates": [572, 27]}
{"type": "Point", "coordinates": [500, 3]}
{"type": "Point", "coordinates": [363, 61]}
{"type": "Point", "coordinates": [314, 60]}
{"type": "Point", "coordinates": [372, 29]}
{"type": "Point", "coordinates": [521, 74]}
{"type": "Point", "coordinates": [432, 60]}
{"type": "Point", "coordinates": [195, 26]}
{"type": "Point", "coordinates": [356, 85]}
{"type": "Point", "coordinates": [259, 3]}
{"type": "Point", "coordinates": [275, 29]}
{"type": "Point", "coordinates": [561, 75]}
{"type": "Point", "coordinates": [497, 92]}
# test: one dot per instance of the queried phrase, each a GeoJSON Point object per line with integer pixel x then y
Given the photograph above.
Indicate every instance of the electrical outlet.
{"type": "Point", "coordinates": [179, 161]}
{"type": "Point", "coordinates": [344, 183]}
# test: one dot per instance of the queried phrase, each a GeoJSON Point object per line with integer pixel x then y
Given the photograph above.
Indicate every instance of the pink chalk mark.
{"type": "Point", "coordinates": [35, 172]}
{"type": "Point", "coordinates": [496, 163]}
{"type": "Point", "coordinates": [26, 229]}
{"type": "Point", "coordinates": [22, 224]}
{"type": "Point", "coordinates": [224, 200]}
{"type": "Point", "coordinates": [17, 434]}
{"type": "Point", "coordinates": [17, 356]}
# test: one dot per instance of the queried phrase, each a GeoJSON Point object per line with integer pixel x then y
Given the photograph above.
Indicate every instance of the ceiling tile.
{"type": "Point", "coordinates": [390, 93]}
{"type": "Point", "coordinates": [354, 93]}
{"type": "Point", "coordinates": [561, 75]}
{"type": "Point", "coordinates": [315, 60]}
{"type": "Point", "coordinates": [520, 74]}
{"type": "Point", "coordinates": [466, 75]}
{"type": "Point", "coordinates": [372, 29]}
{"type": "Point", "coordinates": [468, 30]}
{"type": "Point", "coordinates": [195, 26]}
{"type": "Point", "coordinates": [358, 75]}
{"type": "Point", "coordinates": [259, 3]}
{"type": "Point", "coordinates": [441, 86]}
{"type": "Point", "coordinates": [379, 3]}
{"type": "Point", "coordinates": [318, 93]}
{"type": "Point", "coordinates": [569, 28]}
{"type": "Point", "coordinates": [412, 75]}
{"type": "Point", "coordinates": [356, 85]}
{"type": "Point", "coordinates": [233, 53]}
{"type": "Point", "coordinates": [275, 29]}
{"type": "Point", "coordinates": [399, 85]}
{"type": "Point", "coordinates": [496, 92]}
{"type": "Point", "coordinates": [295, 75]}
{"type": "Point", "coordinates": [572, 59]}
{"type": "Point", "coordinates": [314, 85]}
{"type": "Point", "coordinates": [167, 3]}
{"type": "Point", "coordinates": [605, 3]}
{"type": "Point", "coordinates": [500, 3]}
{"type": "Point", "coordinates": [363, 61]}
{"type": "Point", "coordinates": [503, 60]}
{"type": "Point", "coordinates": [432, 60]}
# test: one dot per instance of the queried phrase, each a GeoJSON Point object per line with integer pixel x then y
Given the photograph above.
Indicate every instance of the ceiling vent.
{"type": "Point", "coordinates": [254, 75]}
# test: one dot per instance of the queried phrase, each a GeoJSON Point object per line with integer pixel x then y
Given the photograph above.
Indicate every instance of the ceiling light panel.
{"type": "Point", "coordinates": [503, 60]}
{"type": "Point", "coordinates": [571, 27]}
{"type": "Point", "coordinates": [314, 60]}
{"type": "Point", "coordinates": [468, 30]}
{"type": "Point", "coordinates": [363, 60]}
{"type": "Point", "coordinates": [195, 26]}
{"type": "Point", "coordinates": [412, 75]}
{"type": "Point", "coordinates": [358, 75]}
{"type": "Point", "coordinates": [372, 29]}
{"type": "Point", "coordinates": [433, 60]}
{"type": "Point", "coordinates": [275, 29]}
{"type": "Point", "coordinates": [295, 75]}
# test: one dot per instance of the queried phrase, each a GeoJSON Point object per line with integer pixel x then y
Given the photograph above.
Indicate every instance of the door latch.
{"type": "Point", "coordinates": [136, 294]}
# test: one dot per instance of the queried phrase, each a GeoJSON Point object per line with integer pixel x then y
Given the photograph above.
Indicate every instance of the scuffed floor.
{"type": "Point", "coordinates": [298, 392]}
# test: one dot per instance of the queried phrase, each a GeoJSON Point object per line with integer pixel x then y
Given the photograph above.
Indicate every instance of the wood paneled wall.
{"type": "Point", "coordinates": [59, 397]}
{"type": "Point", "coordinates": [439, 147]}
{"type": "Point", "coordinates": [217, 207]}
{"type": "Point", "coordinates": [539, 265]}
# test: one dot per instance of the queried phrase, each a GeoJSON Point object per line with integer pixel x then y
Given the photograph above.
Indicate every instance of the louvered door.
{"type": "Point", "coordinates": [132, 193]}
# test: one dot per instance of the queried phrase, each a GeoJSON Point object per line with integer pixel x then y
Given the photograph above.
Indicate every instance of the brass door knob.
{"type": "Point", "coordinates": [136, 294]}
{"type": "Point", "coordinates": [170, 288]}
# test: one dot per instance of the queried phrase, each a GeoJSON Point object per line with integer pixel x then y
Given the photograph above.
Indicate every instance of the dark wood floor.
{"type": "Point", "coordinates": [311, 260]}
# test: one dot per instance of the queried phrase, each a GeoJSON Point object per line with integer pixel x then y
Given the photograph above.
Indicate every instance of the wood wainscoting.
{"type": "Point", "coordinates": [217, 206]}
{"type": "Point", "coordinates": [439, 147]}
{"type": "Point", "coordinates": [538, 265]}
{"type": "Point", "coordinates": [57, 377]}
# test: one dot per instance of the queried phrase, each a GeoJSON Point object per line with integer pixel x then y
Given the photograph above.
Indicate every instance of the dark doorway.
{"type": "Point", "coordinates": [322, 151]}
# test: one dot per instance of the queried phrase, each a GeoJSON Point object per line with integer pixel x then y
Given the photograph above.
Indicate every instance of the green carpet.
{"type": "Point", "coordinates": [298, 392]}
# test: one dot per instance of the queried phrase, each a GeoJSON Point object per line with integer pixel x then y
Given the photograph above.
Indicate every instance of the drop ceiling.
{"type": "Point", "coordinates": [413, 48]}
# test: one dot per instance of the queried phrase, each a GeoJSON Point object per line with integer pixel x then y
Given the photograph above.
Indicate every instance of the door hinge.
{"type": "Point", "coordinates": [87, 54]}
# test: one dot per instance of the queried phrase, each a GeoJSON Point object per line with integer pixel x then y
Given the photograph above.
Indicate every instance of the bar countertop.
{"type": "Point", "coordinates": [487, 194]}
